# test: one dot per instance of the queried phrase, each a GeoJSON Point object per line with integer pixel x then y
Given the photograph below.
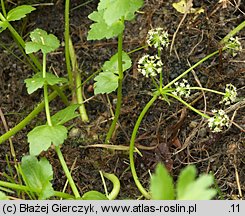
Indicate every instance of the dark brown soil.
{"type": "Point", "coordinates": [177, 136]}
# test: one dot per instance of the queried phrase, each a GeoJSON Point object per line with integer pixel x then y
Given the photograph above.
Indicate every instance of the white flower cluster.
{"type": "Point", "coordinates": [234, 46]}
{"type": "Point", "coordinates": [219, 121]}
{"type": "Point", "coordinates": [157, 38]}
{"type": "Point", "coordinates": [150, 65]}
{"type": "Point", "coordinates": [230, 94]}
{"type": "Point", "coordinates": [182, 89]}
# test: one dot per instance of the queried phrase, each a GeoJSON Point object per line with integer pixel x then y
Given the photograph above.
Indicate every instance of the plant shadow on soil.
{"type": "Point", "coordinates": [165, 130]}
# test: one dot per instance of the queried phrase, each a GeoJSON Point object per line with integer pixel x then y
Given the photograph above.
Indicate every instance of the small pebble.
{"type": "Point", "coordinates": [74, 133]}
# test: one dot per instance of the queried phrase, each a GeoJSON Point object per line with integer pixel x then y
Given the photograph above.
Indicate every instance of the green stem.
{"type": "Point", "coordinates": [45, 90]}
{"type": "Point", "coordinates": [25, 188]}
{"type": "Point", "coordinates": [190, 69]}
{"type": "Point", "coordinates": [116, 185]}
{"type": "Point", "coordinates": [82, 108]}
{"type": "Point", "coordinates": [233, 32]}
{"type": "Point", "coordinates": [67, 36]}
{"type": "Point", "coordinates": [188, 105]}
{"type": "Point", "coordinates": [27, 119]}
{"type": "Point", "coordinates": [132, 143]}
{"type": "Point", "coordinates": [3, 8]}
{"type": "Point", "coordinates": [91, 76]}
{"type": "Point", "coordinates": [206, 89]}
{"type": "Point", "coordinates": [57, 148]}
{"type": "Point", "coordinates": [154, 82]}
{"type": "Point", "coordinates": [119, 90]}
{"type": "Point", "coordinates": [137, 49]}
{"type": "Point", "coordinates": [78, 90]}
{"type": "Point", "coordinates": [67, 172]}
{"type": "Point", "coordinates": [81, 5]}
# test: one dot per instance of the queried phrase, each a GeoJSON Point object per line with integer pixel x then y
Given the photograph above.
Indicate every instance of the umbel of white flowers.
{"type": "Point", "coordinates": [150, 65]}
{"type": "Point", "coordinates": [219, 121]}
{"type": "Point", "coordinates": [230, 94]}
{"type": "Point", "coordinates": [182, 89]}
{"type": "Point", "coordinates": [157, 38]}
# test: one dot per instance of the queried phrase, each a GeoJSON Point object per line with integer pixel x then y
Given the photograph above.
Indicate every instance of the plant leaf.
{"type": "Point", "coordinates": [65, 115]}
{"type": "Point", "coordinates": [3, 196]}
{"type": "Point", "coordinates": [112, 64]}
{"type": "Point", "coordinates": [41, 137]}
{"type": "Point", "coordinates": [94, 195]}
{"type": "Point", "coordinates": [186, 177]}
{"type": "Point", "coordinates": [106, 82]}
{"type": "Point", "coordinates": [3, 25]}
{"type": "Point", "coordinates": [100, 29]}
{"type": "Point", "coordinates": [19, 12]}
{"type": "Point", "coordinates": [162, 186]}
{"type": "Point", "coordinates": [117, 9]}
{"type": "Point", "coordinates": [37, 175]}
{"type": "Point", "coordinates": [37, 81]}
{"type": "Point", "coordinates": [34, 83]}
{"type": "Point", "coordinates": [199, 189]}
{"type": "Point", "coordinates": [41, 40]}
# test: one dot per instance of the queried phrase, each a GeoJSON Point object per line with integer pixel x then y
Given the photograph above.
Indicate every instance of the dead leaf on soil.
{"type": "Point", "coordinates": [185, 6]}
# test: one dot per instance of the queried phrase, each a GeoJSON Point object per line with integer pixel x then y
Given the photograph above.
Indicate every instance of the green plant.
{"type": "Point", "coordinates": [41, 137]}
{"type": "Point", "coordinates": [5, 18]}
{"type": "Point", "coordinates": [187, 187]}
{"type": "Point", "coordinates": [37, 176]}
{"type": "Point", "coordinates": [19, 13]}
{"type": "Point", "coordinates": [14, 15]}
{"type": "Point", "coordinates": [151, 66]}
{"type": "Point", "coordinates": [109, 22]}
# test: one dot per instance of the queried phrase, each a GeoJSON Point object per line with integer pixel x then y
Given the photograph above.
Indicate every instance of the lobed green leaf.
{"type": "Point", "coordinates": [37, 81]}
{"type": "Point", "coordinates": [100, 29]}
{"type": "Point", "coordinates": [116, 9]}
{"type": "Point", "coordinates": [162, 186]}
{"type": "Point", "coordinates": [199, 189]}
{"type": "Point", "coordinates": [106, 82]}
{"type": "Point", "coordinates": [37, 175]}
{"type": "Point", "coordinates": [19, 12]}
{"type": "Point", "coordinates": [108, 18]}
{"type": "Point", "coordinates": [41, 40]}
{"type": "Point", "coordinates": [41, 137]}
